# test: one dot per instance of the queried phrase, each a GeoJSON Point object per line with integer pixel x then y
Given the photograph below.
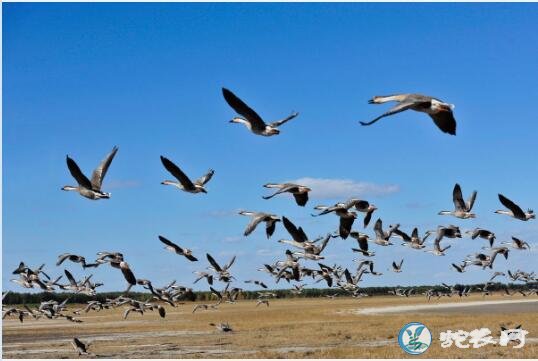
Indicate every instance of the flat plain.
{"type": "Point", "coordinates": [289, 328]}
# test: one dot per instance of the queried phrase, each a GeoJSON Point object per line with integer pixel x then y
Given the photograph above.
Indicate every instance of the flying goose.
{"type": "Point", "coordinates": [437, 250]}
{"type": "Point", "coordinates": [262, 301]}
{"type": "Point", "coordinates": [382, 238]}
{"type": "Point", "coordinates": [172, 247]}
{"type": "Point", "coordinates": [518, 244]}
{"type": "Point", "coordinates": [462, 209]}
{"type": "Point", "coordinates": [363, 207]}
{"type": "Point", "coordinates": [90, 188]}
{"type": "Point", "coordinates": [496, 274]}
{"type": "Point", "coordinates": [346, 217]}
{"type": "Point", "coordinates": [440, 112]}
{"type": "Point", "coordinates": [76, 259]}
{"type": "Point", "coordinates": [300, 193]}
{"type": "Point", "coordinates": [223, 272]}
{"type": "Point", "coordinates": [362, 240]}
{"type": "Point", "coordinates": [250, 118]}
{"type": "Point", "coordinates": [397, 267]}
{"type": "Point", "coordinates": [514, 210]}
{"type": "Point", "coordinates": [460, 268]}
{"type": "Point", "coordinates": [413, 241]}
{"type": "Point", "coordinates": [256, 282]}
{"type": "Point", "coordinates": [300, 239]}
{"type": "Point", "coordinates": [482, 233]}
{"type": "Point", "coordinates": [258, 217]}
{"type": "Point", "coordinates": [185, 184]}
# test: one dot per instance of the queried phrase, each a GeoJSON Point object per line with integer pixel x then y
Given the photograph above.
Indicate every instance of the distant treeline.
{"type": "Point", "coordinates": [36, 298]}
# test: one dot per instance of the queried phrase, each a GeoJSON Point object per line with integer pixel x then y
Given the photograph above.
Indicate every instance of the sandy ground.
{"type": "Point", "coordinates": [508, 306]}
{"type": "Point", "coordinates": [291, 328]}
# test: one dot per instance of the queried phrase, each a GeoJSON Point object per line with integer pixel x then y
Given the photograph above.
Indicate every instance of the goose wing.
{"type": "Point", "coordinates": [230, 263]}
{"type": "Point", "coordinates": [270, 228]}
{"type": "Point", "coordinates": [75, 171]}
{"type": "Point", "coordinates": [257, 219]}
{"type": "Point", "coordinates": [470, 202]}
{"type": "Point", "coordinates": [398, 108]}
{"type": "Point", "coordinates": [378, 229]}
{"type": "Point", "coordinates": [70, 277]}
{"type": "Point", "coordinates": [445, 121]}
{"type": "Point", "coordinates": [298, 235]}
{"type": "Point", "coordinates": [345, 226]}
{"type": "Point", "coordinates": [171, 244]}
{"type": "Point", "coordinates": [301, 198]}
{"type": "Point", "coordinates": [62, 258]}
{"type": "Point", "coordinates": [213, 263]}
{"type": "Point", "coordinates": [100, 172]}
{"type": "Point", "coordinates": [241, 108]}
{"type": "Point", "coordinates": [363, 243]}
{"type": "Point", "coordinates": [516, 210]}
{"type": "Point", "coordinates": [280, 122]}
{"type": "Point", "coordinates": [205, 178]}
{"type": "Point", "coordinates": [178, 173]}
{"type": "Point", "coordinates": [457, 198]}
{"type": "Point", "coordinates": [127, 273]}
{"type": "Point", "coordinates": [367, 218]}
{"type": "Point", "coordinates": [79, 344]}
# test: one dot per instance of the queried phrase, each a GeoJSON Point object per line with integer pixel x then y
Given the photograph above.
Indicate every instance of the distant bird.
{"type": "Point", "coordinates": [397, 267]}
{"type": "Point", "coordinates": [440, 112]}
{"type": "Point", "coordinates": [462, 208]}
{"type": "Point", "coordinates": [518, 244]}
{"type": "Point", "coordinates": [514, 210]}
{"type": "Point", "coordinates": [76, 259]}
{"type": "Point", "coordinates": [256, 282]}
{"type": "Point", "coordinates": [342, 211]}
{"type": "Point", "coordinates": [496, 274]}
{"type": "Point", "coordinates": [300, 193]}
{"type": "Point", "coordinates": [264, 302]}
{"type": "Point", "coordinates": [185, 183]}
{"type": "Point", "coordinates": [80, 346]}
{"type": "Point", "coordinates": [437, 250]}
{"type": "Point", "coordinates": [482, 233]}
{"type": "Point", "coordinates": [250, 118]}
{"type": "Point", "coordinates": [258, 217]}
{"type": "Point", "coordinates": [86, 188]}
{"type": "Point", "coordinates": [460, 268]}
{"type": "Point", "coordinates": [362, 240]}
{"type": "Point", "coordinates": [222, 327]}
{"type": "Point", "coordinates": [172, 247]}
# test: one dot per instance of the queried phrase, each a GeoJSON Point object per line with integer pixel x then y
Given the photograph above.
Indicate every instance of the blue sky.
{"type": "Point", "coordinates": [81, 78]}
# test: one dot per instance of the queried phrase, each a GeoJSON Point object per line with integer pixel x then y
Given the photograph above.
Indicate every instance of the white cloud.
{"type": "Point", "coordinates": [324, 188]}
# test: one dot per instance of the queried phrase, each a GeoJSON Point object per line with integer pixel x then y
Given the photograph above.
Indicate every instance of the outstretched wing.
{"type": "Point", "coordinates": [75, 171]}
{"type": "Point", "coordinates": [254, 223]}
{"type": "Point", "coordinates": [518, 212]}
{"type": "Point", "coordinates": [178, 173]}
{"type": "Point", "coordinates": [280, 122]}
{"type": "Point", "coordinates": [457, 198]}
{"type": "Point", "coordinates": [470, 201]}
{"type": "Point", "coordinates": [213, 263]}
{"type": "Point", "coordinates": [100, 172]}
{"type": "Point", "coordinates": [170, 243]}
{"type": "Point", "coordinates": [241, 108]}
{"type": "Point", "coordinates": [205, 178]}
{"type": "Point", "coordinates": [297, 234]}
{"type": "Point", "coordinates": [445, 121]}
{"type": "Point", "coordinates": [301, 198]}
{"type": "Point", "coordinates": [400, 107]}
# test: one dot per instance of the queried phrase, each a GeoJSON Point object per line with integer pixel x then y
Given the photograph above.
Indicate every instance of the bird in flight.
{"type": "Point", "coordinates": [440, 112]}
{"type": "Point", "coordinates": [90, 189]}
{"type": "Point", "coordinates": [250, 118]}
{"type": "Point", "coordinates": [185, 183]}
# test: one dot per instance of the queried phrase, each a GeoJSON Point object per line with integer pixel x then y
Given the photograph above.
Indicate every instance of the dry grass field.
{"type": "Point", "coordinates": [290, 328]}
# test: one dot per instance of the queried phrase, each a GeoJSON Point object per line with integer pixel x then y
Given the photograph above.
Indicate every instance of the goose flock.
{"type": "Point", "coordinates": [304, 262]}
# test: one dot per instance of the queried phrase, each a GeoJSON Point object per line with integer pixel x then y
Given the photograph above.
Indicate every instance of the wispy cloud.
{"type": "Point", "coordinates": [222, 213]}
{"type": "Point", "coordinates": [326, 188]}
{"type": "Point", "coordinates": [121, 184]}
